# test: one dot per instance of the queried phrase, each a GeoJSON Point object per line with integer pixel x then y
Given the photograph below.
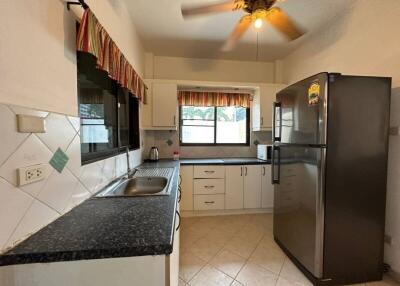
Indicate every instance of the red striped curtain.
{"type": "Point", "coordinates": [203, 98]}
{"type": "Point", "coordinates": [93, 38]}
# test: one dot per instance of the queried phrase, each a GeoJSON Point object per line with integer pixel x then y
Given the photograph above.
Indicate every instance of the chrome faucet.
{"type": "Point", "coordinates": [128, 167]}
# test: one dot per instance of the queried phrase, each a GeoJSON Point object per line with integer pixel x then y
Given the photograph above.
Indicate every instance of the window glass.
{"type": "Point", "coordinates": [214, 125]}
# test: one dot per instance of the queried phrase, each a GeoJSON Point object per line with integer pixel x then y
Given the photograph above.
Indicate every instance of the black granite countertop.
{"type": "Point", "coordinates": [105, 228]}
{"type": "Point", "coordinates": [223, 161]}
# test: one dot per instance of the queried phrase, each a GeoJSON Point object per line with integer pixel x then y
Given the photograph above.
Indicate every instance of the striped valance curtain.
{"type": "Point", "coordinates": [205, 98]}
{"type": "Point", "coordinates": [94, 39]}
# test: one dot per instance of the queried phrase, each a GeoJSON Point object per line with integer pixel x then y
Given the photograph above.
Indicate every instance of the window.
{"type": "Point", "coordinates": [109, 113]}
{"type": "Point", "coordinates": [214, 125]}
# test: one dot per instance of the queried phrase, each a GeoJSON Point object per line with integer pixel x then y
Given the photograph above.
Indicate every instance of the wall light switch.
{"type": "Point", "coordinates": [31, 174]}
{"type": "Point", "coordinates": [31, 124]}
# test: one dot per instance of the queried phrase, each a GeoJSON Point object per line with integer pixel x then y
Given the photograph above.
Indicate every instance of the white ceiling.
{"type": "Point", "coordinates": [166, 33]}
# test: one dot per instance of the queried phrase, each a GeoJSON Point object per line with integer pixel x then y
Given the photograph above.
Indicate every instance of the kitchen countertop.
{"type": "Point", "coordinates": [105, 228]}
{"type": "Point", "coordinates": [223, 161]}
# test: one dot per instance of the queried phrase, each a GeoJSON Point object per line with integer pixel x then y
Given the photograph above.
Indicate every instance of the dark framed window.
{"type": "Point", "coordinates": [109, 113]}
{"type": "Point", "coordinates": [211, 126]}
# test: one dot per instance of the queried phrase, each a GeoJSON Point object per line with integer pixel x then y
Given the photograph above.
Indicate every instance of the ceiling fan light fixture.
{"type": "Point", "coordinates": [258, 23]}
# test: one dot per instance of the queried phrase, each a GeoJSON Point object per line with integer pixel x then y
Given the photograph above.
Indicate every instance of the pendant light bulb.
{"type": "Point", "coordinates": [258, 23]}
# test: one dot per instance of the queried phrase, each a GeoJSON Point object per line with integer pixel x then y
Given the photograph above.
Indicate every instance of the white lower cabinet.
{"type": "Point", "coordinates": [173, 258]}
{"type": "Point", "coordinates": [186, 173]}
{"type": "Point", "coordinates": [267, 188]}
{"type": "Point", "coordinates": [252, 187]}
{"type": "Point", "coordinates": [234, 187]}
{"type": "Point", "coordinates": [209, 202]}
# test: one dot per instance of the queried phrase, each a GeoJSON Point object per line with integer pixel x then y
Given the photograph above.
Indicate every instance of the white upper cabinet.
{"type": "Point", "coordinates": [252, 186]}
{"type": "Point", "coordinates": [267, 187]}
{"type": "Point", "coordinates": [165, 105]}
{"type": "Point", "coordinates": [262, 106]}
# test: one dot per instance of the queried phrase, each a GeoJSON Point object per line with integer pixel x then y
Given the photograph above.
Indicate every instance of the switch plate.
{"type": "Point", "coordinates": [31, 124]}
{"type": "Point", "coordinates": [31, 174]}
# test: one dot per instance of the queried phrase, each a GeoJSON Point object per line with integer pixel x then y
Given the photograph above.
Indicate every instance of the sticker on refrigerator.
{"type": "Point", "coordinates": [313, 93]}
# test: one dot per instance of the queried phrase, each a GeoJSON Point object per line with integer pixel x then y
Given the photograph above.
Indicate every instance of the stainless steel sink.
{"type": "Point", "coordinates": [145, 182]}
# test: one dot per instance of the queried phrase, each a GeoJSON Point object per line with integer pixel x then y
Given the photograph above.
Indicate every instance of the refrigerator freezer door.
{"type": "Point", "coordinates": [300, 112]}
{"type": "Point", "coordinates": [298, 203]}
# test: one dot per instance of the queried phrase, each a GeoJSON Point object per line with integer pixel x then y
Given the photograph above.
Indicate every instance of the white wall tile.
{"type": "Point", "coordinates": [10, 139]}
{"type": "Point", "coordinates": [76, 122]}
{"type": "Point", "coordinates": [90, 177]}
{"type": "Point", "coordinates": [74, 154]}
{"type": "Point", "coordinates": [59, 132]}
{"type": "Point", "coordinates": [37, 216]}
{"type": "Point", "coordinates": [28, 111]}
{"type": "Point", "coordinates": [31, 152]}
{"type": "Point", "coordinates": [58, 189]}
{"type": "Point", "coordinates": [79, 194]}
{"type": "Point", "coordinates": [13, 205]}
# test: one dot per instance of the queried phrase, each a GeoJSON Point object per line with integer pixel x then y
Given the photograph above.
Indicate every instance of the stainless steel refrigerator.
{"type": "Point", "coordinates": [329, 171]}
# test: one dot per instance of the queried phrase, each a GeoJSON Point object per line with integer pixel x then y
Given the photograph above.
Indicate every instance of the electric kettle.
{"type": "Point", "coordinates": [154, 154]}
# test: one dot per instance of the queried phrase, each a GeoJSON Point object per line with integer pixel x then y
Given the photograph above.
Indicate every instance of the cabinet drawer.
{"type": "Point", "coordinates": [209, 202]}
{"type": "Point", "coordinates": [209, 172]}
{"type": "Point", "coordinates": [209, 186]}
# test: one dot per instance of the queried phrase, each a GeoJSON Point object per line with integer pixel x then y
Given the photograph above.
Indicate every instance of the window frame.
{"type": "Point", "coordinates": [133, 122]}
{"type": "Point", "coordinates": [215, 131]}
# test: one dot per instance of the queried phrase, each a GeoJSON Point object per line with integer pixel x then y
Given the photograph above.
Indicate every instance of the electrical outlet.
{"type": "Point", "coordinates": [31, 174]}
{"type": "Point", "coordinates": [388, 239]}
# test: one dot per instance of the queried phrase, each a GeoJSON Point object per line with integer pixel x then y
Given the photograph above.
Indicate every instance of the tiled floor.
{"type": "Point", "coordinates": [236, 250]}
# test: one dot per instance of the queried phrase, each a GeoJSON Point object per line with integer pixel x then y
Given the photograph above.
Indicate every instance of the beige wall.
{"type": "Point", "coordinates": [365, 40]}
{"type": "Point", "coordinates": [37, 51]}
{"type": "Point", "coordinates": [208, 70]}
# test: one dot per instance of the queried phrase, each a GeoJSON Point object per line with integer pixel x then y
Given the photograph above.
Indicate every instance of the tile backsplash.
{"type": "Point", "coordinates": [168, 142]}
{"type": "Point", "coordinates": [26, 209]}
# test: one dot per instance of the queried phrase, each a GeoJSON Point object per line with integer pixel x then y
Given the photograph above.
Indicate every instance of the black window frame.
{"type": "Point", "coordinates": [133, 121]}
{"type": "Point", "coordinates": [215, 131]}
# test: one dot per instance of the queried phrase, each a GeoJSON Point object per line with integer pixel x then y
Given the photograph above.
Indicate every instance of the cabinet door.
{"type": "Point", "coordinates": [174, 256]}
{"type": "Point", "coordinates": [187, 188]}
{"type": "Point", "coordinates": [252, 186]}
{"type": "Point", "coordinates": [165, 104]}
{"type": "Point", "coordinates": [234, 187]}
{"type": "Point", "coordinates": [267, 188]}
{"type": "Point", "coordinates": [267, 97]}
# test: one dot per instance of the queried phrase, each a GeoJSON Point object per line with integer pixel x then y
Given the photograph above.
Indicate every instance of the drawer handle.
{"type": "Point", "coordinates": [209, 202]}
{"type": "Point", "coordinates": [179, 224]}
{"type": "Point", "coordinates": [179, 194]}
{"type": "Point", "coordinates": [209, 187]}
{"type": "Point", "coordinates": [209, 172]}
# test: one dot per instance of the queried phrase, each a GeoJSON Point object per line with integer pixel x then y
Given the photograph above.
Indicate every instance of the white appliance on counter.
{"type": "Point", "coordinates": [264, 151]}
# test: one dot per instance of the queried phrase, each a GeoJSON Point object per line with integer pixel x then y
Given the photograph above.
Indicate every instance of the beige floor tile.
{"type": "Point", "coordinates": [219, 236]}
{"type": "Point", "coordinates": [189, 265]}
{"type": "Point", "coordinates": [285, 282]}
{"type": "Point", "coordinates": [181, 283]}
{"type": "Point", "coordinates": [228, 262]}
{"type": "Point", "coordinates": [241, 246]}
{"type": "Point", "coordinates": [206, 248]}
{"type": "Point", "coordinates": [387, 281]}
{"type": "Point", "coordinates": [292, 273]}
{"type": "Point", "coordinates": [254, 275]}
{"type": "Point", "coordinates": [269, 258]}
{"type": "Point", "coordinates": [236, 283]}
{"type": "Point", "coordinates": [210, 276]}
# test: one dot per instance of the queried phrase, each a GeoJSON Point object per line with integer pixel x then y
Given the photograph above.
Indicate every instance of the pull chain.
{"type": "Point", "coordinates": [257, 48]}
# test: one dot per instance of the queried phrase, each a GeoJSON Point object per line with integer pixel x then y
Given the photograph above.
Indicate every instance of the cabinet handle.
{"type": "Point", "coordinates": [263, 170]}
{"type": "Point", "coordinates": [209, 202]}
{"type": "Point", "coordinates": [241, 171]}
{"type": "Point", "coordinates": [174, 120]}
{"type": "Point", "coordinates": [179, 224]}
{"type": "Point", "coordinates": [179, 194]}
{"type": "Point", "coordinates": [209, 172]}
{"type": "Point", "coordinates": [245, 169]}
{"type": "Point", "coordinates": [262, 121]}
{"type": "Point", "coordinates": [209, 187]}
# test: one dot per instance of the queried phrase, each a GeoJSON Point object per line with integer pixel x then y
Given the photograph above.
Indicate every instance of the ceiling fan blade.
{"type": "Point", "coordinates": [232, 5]}
{"type": "Point", "coordinates": [237, 33]}
{"type": "Point", "coordinates": [282, 22]}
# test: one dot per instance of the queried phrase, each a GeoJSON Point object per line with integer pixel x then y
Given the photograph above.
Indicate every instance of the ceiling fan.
{"type": "Point", "coordinates": [257, 11]}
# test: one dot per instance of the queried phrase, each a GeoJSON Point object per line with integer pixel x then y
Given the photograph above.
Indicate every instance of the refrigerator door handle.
{"type": "Point", "coordinates": [274, 135]}
{"type": "Point", "coordinates": [273, 179]}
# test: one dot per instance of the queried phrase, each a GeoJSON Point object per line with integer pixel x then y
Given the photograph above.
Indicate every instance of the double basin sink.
{"type": "Point", "coordinates": [146, 181]}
